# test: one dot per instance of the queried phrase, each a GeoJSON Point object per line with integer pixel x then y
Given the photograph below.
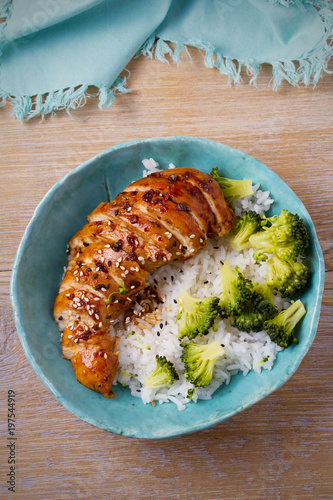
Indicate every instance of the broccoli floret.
{"type": "Point", "coordinates": [232, 188]}
{"type": "Point", "coordinates": [286, 276]}
{"type": "Point", "coordinates": [284, 235]}
{"type": "Point", "coordinates": [236, 291]}
{"type": "Point", "coordinates": [200, 360]}
{"type": "Point", "coordinates": [163, 375]}
{"type": "Point", "coordinates": [262, 299]}
{"type": "Point", "coordinates": [257, 310]}
{"type": "Point", "coordinates": [281, 328]}
{"type": "Point", "coordinates": [244, 226]}
{"type": "Point", "coordinates": [197, 315]}
{"type": "Point", "coordinates": [249, 320]}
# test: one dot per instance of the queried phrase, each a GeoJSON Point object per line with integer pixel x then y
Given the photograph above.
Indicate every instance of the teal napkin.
{"type": "Point", "coordinates": [52, 50]}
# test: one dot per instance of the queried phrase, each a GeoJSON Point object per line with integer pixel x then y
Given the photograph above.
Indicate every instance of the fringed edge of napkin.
{"type": "Point", "coordinates": [26, 107]}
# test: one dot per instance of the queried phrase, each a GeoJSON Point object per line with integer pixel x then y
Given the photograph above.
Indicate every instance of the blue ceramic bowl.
{"type": "Point", "coordinates": [38, 270]}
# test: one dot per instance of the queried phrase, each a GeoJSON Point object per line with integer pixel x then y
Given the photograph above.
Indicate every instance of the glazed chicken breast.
{"type": "Point", "coordinates": [165, 217]}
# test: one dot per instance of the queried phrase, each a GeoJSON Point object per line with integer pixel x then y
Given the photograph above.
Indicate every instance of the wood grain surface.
{"type": "Point", "coordinates": [281, 448]}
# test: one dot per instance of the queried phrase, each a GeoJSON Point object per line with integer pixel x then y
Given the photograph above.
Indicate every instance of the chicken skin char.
{"type": "Point", "coordinates": [165, 217]}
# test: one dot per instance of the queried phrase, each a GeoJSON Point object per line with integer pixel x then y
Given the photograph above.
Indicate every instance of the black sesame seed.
{"type": "Point", "coordinates": [175, 301]}
{"type": "Point", "coordinates": [166, 323]}
{"type": "Point", "coordinates": [95, 328]}
{"type": "Point", "coordinates": [205, 282]}
{"type": "Point", "coordinates": [158, 334]}
{"type": "Point", "coordinates": [138, 390]}
{"type": "Point", "coordinates": [172, 278]}
{"type": "Point", "coordinates": [88, 269]}
{"type": "Point", "coordinates": [121, 301]}
{"type": "Point", "coordinates": [161, 325]}
{"type": "Point", "coordinates": [155, 281]}
{"type": "Point", "coordinates": [116, 212]}
{"type": "Point", "coordinates": [155, 287]}
{"type": "Point", "coordinates": [113, 298]}
{"type": "Point", "coordinates": [108, 286]}
{"type": "Point", "coordinates": [216, 248]}
{"type": "Point", "coordinates": [175, 243]}
{"type": "Point", "coordinates": [86, 244]}
{"type": "Point", "coordinates": [109, 317]}
{"type": "Point", "coordinates": [60, 318]}
{"type": "Point", "coordinates": [222, 345]}
{"type": "Point", "coordinates": [181, 271]}
{"type": "Point", "coordinates": [109, 263]}
{"type": "Point", "coordinates": [164, 278]}
{"type": "Point", "coordinates": [95, 276]}
{"type": "Point", "coordinates": [175, 260]}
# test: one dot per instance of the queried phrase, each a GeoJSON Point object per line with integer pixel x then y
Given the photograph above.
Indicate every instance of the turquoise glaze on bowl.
{"type": "Point", "coordinates": [38, 270]}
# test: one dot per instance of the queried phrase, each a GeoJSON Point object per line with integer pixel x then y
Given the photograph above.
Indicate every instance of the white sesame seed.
{"type": "Point", "coordinates": [72, 328]}
{"type": "Point", "coordinates": [180, 247]}
{"type": "Point", "coordinates": [100, 324]}
{"type": "Point", "coordinates": [123, 275]}
{"type": "Point", "coordinates": [109, 223]}
{"type": "Point", "coordinates": [99, 251]}
{"type": "Point", "coordinates": [68, 294]}
{"type": "Point", "coordinates": [116, 301]}
{"type": "Point", "coordinates": [81, 273]}
{"type": "Point", "coordinates": [137, 269]}
{"type": "Point", "coordinates": [75, 272]}
{"type": "Point", "coordinates": [117, 264]}
{"type": "Point", "coordinates": [192, 236]}
{"type": "Point", "coordinates": [88, 307]}
{"type": "Point", "coordinates": [135, 312]}
{"type": "Point", "coordinates": [77, 279]}
{"type": "Point", "coordinates": [96, 298]}
{"type": "Point", "coordinates": [141, 258]}
{"type": "Point", "coordinates": [70, 336]}
{"type": "Point", "coordinates": [103, 289]}
{"type": "Point", "coordinates": [122, 268]}
{"type": "Point", "coordinates": [192, 250]}
{"type": "Point", "coordinates": [78, 255]}
{"type": "Point", "coordinates": [76, 340]}
{"type": "Point", "coordinates": [108, 246]}
{"type": "Point", "coordinates": [120, 259]}
{"type": "Point", "coordinates": [129, 299]}
{"type": "Point", "coordinates": [132, 287]}
{"type": "Point", "coordinates": [132, 269]}
{"type": "Point", "coordinates": [102, 259]}
{"type": "Point", "coordinates": [97, 269]}
{"type": "Point", "coordinates": [128, 319]}
{"type": "Point", "coordinates": [90, 312]}
{"type": "Point", "coordinates": [178, 253]}
{"type": "Point", "coordinates": [105, 355]}
{"type": "Point", "coordinates": [96, 316]}
{"type": "Point", "coordinates": [201, 240]}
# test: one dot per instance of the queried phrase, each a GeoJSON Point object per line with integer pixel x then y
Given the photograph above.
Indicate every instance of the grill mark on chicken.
{"type": "Point", "coordinates": [166, 217]}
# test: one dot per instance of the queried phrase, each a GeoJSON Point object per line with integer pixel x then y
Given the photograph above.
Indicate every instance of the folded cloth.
{"type": "Point", "coordinates": [52, 50]}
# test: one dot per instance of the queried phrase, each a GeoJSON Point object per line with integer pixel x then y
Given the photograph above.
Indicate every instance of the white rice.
{"type": "Point", "coordinates": [243, 351]}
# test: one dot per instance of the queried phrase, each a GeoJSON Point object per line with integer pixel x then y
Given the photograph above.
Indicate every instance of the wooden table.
{"type": "Point", "coordinates": [279, 449]}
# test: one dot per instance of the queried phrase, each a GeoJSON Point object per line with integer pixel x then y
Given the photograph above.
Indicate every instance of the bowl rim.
{"type": "Point", "coordinates": [23, 337]}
